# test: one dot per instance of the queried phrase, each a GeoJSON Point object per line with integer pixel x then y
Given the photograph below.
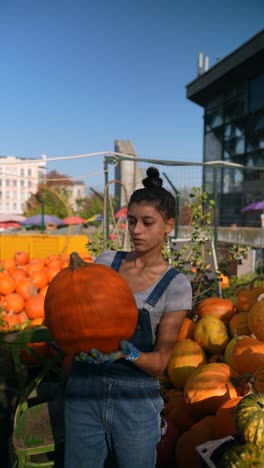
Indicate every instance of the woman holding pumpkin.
{"type": "Point", "coordinates": [112, 400]}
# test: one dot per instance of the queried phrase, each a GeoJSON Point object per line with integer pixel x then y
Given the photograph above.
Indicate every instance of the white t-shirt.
{"type": "Point", "coordinates": [177, 296]}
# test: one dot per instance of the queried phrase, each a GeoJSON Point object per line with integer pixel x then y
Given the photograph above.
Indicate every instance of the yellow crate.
{"type": "Point", "coordinates": [41, 246]}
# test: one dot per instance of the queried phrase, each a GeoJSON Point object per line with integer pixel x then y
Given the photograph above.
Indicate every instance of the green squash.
{"type": "Point", "coordinates": [242, 456]}
{"type": "Point", "coordinates": [249, 419]}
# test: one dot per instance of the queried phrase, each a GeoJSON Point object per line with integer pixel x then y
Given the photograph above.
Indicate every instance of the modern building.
{"type": "Point", "coordinates": [231, 93]}
{"type": "Point", "coordinates": [19, 179]}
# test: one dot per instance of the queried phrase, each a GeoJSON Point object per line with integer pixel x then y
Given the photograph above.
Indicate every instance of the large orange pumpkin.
{"type": "Point", "coordinates": [208, 387]}
{"type": "Point", "coordinates": [219, 307]}
{"type": "Point", "coordinates": [89, 305]}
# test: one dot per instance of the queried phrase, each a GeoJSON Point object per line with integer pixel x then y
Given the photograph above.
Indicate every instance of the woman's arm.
{"type": "Point", "coordinates": [155, 363]}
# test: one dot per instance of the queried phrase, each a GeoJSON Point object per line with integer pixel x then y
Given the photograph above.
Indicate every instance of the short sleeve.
{"type": "Point", "coordinates": [179, 294]}
{"type": "Point", "coordinates": [105, 258]}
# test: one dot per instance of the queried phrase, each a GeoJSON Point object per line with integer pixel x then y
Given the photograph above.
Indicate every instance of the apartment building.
{"type": "Point", "coordinates": [76, 191]}
{"type": "Point", "coordinates": [19, 178]}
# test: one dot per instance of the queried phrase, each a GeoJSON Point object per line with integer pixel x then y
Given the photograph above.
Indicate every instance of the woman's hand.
{"type": "Point", "coordinates": [127, 351]}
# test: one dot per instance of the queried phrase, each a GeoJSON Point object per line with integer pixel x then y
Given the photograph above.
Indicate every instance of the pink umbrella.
{"type": "Point", "coordinates": [74, 220]}
{"type": "Point", "coordinates": [122, 213]}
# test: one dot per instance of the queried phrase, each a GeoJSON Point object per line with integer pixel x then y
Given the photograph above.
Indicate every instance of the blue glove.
{"type": "Point", "coordinates": [130, 352]}
{"type": "Point", "coordinates": [127, 351]}
{"type": "Point", "coordinates": [95, 357]}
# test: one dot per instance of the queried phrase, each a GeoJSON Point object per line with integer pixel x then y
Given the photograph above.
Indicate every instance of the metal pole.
{"type": "Point", "coordinates": [215, 208]}
{"type": "Point", "coordinates": [42, 201]}
{"type": "Point", "coordinates": [177, 205]}
{"type": "Point", "coordinates": [106, 202]}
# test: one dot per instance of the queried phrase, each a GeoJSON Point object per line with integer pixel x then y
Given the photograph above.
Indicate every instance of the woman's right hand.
{"type": "Point", "coordinates": [96, 357]}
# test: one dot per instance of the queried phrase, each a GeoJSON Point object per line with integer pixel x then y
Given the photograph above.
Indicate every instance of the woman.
{"type": "Point", "coordinates": [113, 401]}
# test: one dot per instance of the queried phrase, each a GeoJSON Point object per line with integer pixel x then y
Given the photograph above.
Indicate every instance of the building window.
{"type": "Point", "coordinates": [7, 183]}
{"type": "Point", "coordinates": [214, 119]}
{"type": "Point", "coordinates": [29, 172]}
{"type": "Point", "coordinates": [256, 93]}
{"type": "Point", "coordinates": [14, 183]}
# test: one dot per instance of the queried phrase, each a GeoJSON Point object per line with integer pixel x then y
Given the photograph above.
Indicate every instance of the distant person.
{"type": "Point", "coordinates": [112, 401]}
{"type": "Point", "coordinates": [262, 220]}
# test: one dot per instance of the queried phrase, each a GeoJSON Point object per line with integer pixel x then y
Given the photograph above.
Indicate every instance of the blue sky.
{"type": "Point", "coordinates": [76, 75]}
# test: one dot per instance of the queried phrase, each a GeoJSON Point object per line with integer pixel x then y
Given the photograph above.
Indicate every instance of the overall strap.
{"type": "Point", "coordinates": [118, 258]}
{"type": "Point", "coordinates": [159, 289]}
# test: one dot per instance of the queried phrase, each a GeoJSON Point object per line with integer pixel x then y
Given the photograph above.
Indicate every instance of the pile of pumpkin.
{"type": "Point", "coordinates": [23, 285]}
{"type": "Point", "coordinates": [214, 383]}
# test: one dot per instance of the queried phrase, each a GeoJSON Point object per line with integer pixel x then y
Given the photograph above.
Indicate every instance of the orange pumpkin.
{"type": "Point", "coordinates": [225, 422]}
{"type": "Point", "coordinates": [239, 324]}
{"type": "Point", "coordinates": [187, 328]}
{"type": "Point", "coordinates": [14, 302]}
{"type": "Point", "coordinates": [42, 348]}
{"type": "Point", "coordinates": [26, 288]}
{"type": "Point", "coordinates": [199, 433]}
{"type": "Point", "coordinates": [180, 413]}
{"type": "Point", "coordinates": [7, 284]}
{"type": "Point", "coordinates": [208, 387]}
{"type": "Point", "coordinates": [39, 278]}
{"type": "Point", "coordinates": [34, 306]}
{"type": "Point", "coordinates": [247, 297]}
{"type": "Point", "coordinates": [256, 320]}
{"type": "Point", "coordinates": [224, 281]}
{"type": "Point", "coordinates": [248, 355]}
{"type": "Point", "coordinates": [88, 305]}
{"type": "Point", "coordinates": [21, 257]}
{"type": "Point", "coordinates": [8, 263]}
{"type": "Point", "coordinates": [220, 308]}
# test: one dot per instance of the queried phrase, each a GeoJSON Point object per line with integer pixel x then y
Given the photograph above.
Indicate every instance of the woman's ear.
{"type": "Point", "coordinates": [170, 225]}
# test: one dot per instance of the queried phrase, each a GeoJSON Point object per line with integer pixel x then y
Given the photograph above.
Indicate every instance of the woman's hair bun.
{"type": "Point", "coordinates": [153, 179]}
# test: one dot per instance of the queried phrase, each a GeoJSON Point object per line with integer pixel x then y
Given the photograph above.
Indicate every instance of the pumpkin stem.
{"type": "Point", "coordinates": [76, 261]}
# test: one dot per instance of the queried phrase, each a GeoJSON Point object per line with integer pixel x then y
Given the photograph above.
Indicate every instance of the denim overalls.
{"type": "Point", "coordinates": [115, 407]}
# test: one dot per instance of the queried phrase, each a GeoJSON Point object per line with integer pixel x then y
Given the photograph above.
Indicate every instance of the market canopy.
{"type": "Point", "coordinates": [74, 220]}
{"type": "Point", "coordinates": [6, 218]}
{"type": "Point", "coordinates": [259, 205]}
{"type": "Point", "coordinates": [36, 220]}
{"type": "Point", "coordinates": [96, 217]}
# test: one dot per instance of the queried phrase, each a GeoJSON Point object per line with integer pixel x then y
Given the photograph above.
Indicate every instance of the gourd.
{"type": "Point", "coordinates": [211, 334]}
{"type": "Point", "coordinates": [89, 305]}
{"type": "Point", "coordinates": [242, 456]}
{"type": "Point", "coordinates": [249, 418]}
{"type": "Point", "coordinates": [186, 356]}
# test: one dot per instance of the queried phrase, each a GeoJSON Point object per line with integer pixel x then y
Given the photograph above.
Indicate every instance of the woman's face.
{"type": "Point", "coordinates": [147, 227]}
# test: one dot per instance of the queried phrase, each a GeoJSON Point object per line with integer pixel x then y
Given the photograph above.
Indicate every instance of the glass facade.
{"type": "Point", "coordinates": [234, 132]}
